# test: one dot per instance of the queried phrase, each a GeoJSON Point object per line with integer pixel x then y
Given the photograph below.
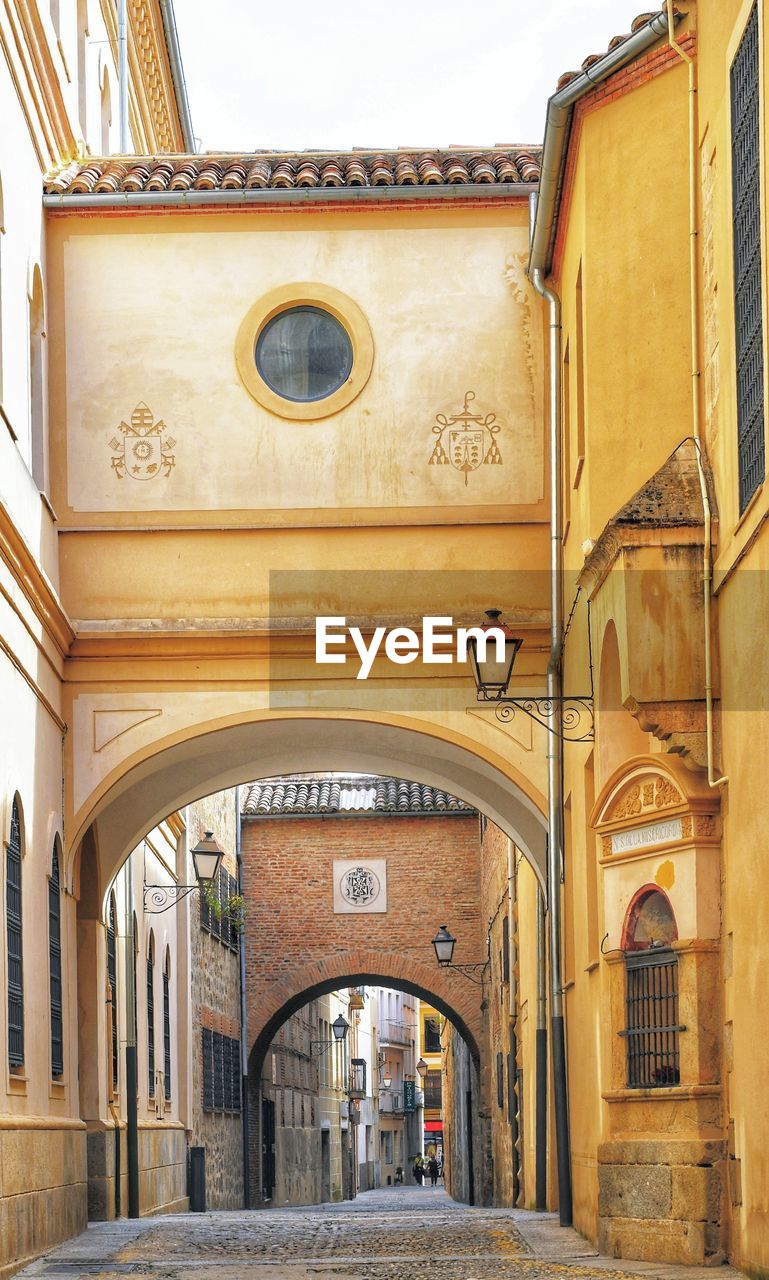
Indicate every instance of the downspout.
{"type": "Point", "coordinates": [131, 1073]}
{"type": "Point", "coordinates": [555, 765]}
{"type": "Point", "coordinates": [122, 48]}
{"type": "Point", "coordinates": [540, 1104]}
{"type": "Point", "coordinates": [243, 1022]}
{"type": "Point", "coordinates": [707, 550]}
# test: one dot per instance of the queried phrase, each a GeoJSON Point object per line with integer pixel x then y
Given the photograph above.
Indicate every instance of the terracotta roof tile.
{"type": "Point", "coordinates": [614, 43]}
{"type": "Point", "coordinates": [452, 167]}
{"type": "Point", "coordinates": [353, 794]}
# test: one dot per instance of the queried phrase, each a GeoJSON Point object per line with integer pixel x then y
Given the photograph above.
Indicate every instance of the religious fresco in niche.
{"type": "Point", "coordinates": [466, 440]}
{"type": "Point", "coordinates": [144, 451]}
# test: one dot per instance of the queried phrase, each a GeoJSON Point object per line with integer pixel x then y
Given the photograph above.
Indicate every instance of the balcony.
{"type": "Point", "coordinates": [391, 1102]}
{"type": "Point", "coordinates": [396, 1033]}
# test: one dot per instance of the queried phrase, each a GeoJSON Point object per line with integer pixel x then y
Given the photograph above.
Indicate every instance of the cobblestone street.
{"type": "Point", "coordinates": [396, 1234]}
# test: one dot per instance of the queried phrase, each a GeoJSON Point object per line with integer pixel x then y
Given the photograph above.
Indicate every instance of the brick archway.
{"type": "Point", "coordinates": [454, 996]}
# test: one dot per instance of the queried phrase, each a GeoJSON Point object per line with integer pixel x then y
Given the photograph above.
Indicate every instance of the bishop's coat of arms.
{"type": "Point", "coordinates": [145, 449]}
{"type": "Point", "coordinates": [466, 440]}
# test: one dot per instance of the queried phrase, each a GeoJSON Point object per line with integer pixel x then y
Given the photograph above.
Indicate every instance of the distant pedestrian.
{"type": "Point", "coordinates": [419, 1168]}
{"type": "Point", "coordinates": [433, 1168]}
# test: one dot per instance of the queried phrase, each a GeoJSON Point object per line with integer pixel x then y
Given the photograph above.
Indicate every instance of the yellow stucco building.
{"type": "Point", "coordinates": [243, 391]}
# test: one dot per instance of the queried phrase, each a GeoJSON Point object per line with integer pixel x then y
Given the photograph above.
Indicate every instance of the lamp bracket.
{"type": "Point", "coordinates": [569, 718]}
{"type": "Point", "coordinates": [323, 1046]}
{"type": "Point", "coordinates": [161, 897]}
{"type": "Point", "coordinates": [473, 972]}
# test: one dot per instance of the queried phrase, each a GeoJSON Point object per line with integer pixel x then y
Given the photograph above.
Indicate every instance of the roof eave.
{"type": "Point", "coordinates": [560, 109]}
{"type": "Point", "coordinates": [289, 195]}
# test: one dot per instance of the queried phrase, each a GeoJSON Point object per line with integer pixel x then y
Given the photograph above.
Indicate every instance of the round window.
{"type": "Point", "coordinates": [304, 354]}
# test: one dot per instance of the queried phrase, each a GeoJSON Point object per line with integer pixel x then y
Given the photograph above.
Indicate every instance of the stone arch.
{"type": "Point", "coordinates": [182, 767]}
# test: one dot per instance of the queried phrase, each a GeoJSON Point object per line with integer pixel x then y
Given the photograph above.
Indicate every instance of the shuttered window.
{"type": "Point", "coordinates": [221, 1072]}
{"type": "Point", "coordinates": [14, 942]}
{"type": "Point", "coordinates": [112, 979]}
{"type": "Point", "coordinates": [54, 967]}
{"type": "Point", "coordinates": [151, 1018]}
{"type": "Point", "coordinates": [746, 218]}
{"type": "Point", "coordinates": [167, 1028]}
{"type": "Point", "coordinates": [208, 1069]}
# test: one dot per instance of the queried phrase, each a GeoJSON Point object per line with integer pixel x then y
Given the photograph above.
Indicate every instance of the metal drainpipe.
{"type": "Point", "coordinates": [131, 1073]}
{"type": "Point", "coordinates": [243, 1023]}
{"type": "Point", "coordinates": [540, 1105]}
{"type": "Point", "coordinates": [555, 764]}
{"type": "Point", "coordinates": [122, 45]}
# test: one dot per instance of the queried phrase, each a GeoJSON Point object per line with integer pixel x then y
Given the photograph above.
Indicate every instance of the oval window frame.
{"type": "Point", "coordinates": [286, 298]}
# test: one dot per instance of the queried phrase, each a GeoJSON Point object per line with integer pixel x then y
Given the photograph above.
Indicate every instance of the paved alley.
{"type": "Point", "coordinates": [393, 1234]}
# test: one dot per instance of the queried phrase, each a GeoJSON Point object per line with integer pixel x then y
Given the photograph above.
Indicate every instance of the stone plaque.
{"type": "Point", "coordinates": [360, 885]}
{"type": "Point", "coordinates": [644, 837]}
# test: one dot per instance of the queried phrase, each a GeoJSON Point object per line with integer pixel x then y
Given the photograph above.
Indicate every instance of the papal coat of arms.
{"type": "Point", "coordinates": [145, 450]}
{"type": "Point", "coordinates": [466, 440]}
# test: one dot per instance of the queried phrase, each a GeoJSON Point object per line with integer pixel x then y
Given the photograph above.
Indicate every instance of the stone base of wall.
{"type": "Point", "coordinates": [43, 1192]}
{"type": "Point", "coordinates": [661, 1201]}
{"type": "Point", "coordinates": [162, 1171]}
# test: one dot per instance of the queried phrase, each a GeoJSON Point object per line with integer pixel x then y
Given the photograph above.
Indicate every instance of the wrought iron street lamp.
{"type": "Point", "coordinates": [444, 943]}
{"type": "Point", "coordinates": [387, 1082]}
{"type": "Point", "coordinates": [422, 1068]}
{"type": "Point", "coordinates": [206, 860]}
{"type": "Point", "coordinates": [569, 718]}
{"type": "Point", "coordinates": [339, 1028]}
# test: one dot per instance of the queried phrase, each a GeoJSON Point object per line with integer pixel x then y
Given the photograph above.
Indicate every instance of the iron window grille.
{"type": "Point", "coordinates": [151, 1022]}
{"type": "Point", "coordinates": [167, 1032]}
{"type": "Point", "coordinates": [54, 967]}
{"type": "Point", "coordinates": [746, 218]}
{"type": "Point", "coordinates": [14, 943]}
{"type": "Point", "coordinates": [112, 979]}
{"type": "Point", "coordinates": [208, 1069]}
{"type": "Point", "coordinates": [652, 1028]}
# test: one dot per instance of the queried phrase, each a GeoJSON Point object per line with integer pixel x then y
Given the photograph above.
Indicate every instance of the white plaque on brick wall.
{"type": "Point", "coordinates": [360, 885]}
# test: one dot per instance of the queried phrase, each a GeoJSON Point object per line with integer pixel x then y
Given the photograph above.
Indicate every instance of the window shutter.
{"type": "Point", "coordinates": [112, 979]}
{"type": "Point", "coordinates": [54, 968]}
{"type": "Point", "coordinates": [14, 943]}
{"type": "Point", "coordinates": [218, 1072]}
{"type": "Point", "coordinates": [166, 1035]}
{"type": "Point", "coordinates": [208, 1069]}
{"type": "Point", "coordinates": [150, 1024]}
{"type": "Point", "coordinates": [235, 1066]}
{"type": "Point", "coordinates": [746, 219]}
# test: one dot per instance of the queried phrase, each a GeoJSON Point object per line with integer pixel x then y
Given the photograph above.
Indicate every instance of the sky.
{"type": "Point", "coordinates": [338, 74]}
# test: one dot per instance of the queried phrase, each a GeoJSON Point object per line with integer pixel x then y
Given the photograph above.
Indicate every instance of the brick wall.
{"type": "Point", "coordinates": [295, 942]}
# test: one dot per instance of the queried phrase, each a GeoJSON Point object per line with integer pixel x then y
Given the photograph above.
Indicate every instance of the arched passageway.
{"type": "Point", "coordinates": [171, 772]}
{"type": "Point", "coordinates": [289, 1164]}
